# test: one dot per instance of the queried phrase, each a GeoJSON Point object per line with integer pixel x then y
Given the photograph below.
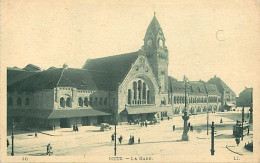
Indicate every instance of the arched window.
{"type": "Point", "coordinates": [10, 101]}
{"type": "Point", "coordinates": [96, 101]}
{"type": "Point", "coordinates": [90, 101]}
{"type": "Point", "coordinates": [86, 101]}
{"type": "Point", "coordinates": [129, 96]}
{"type": "Point", "coordinates": [148, 97]}
{"type": "Point", "coordinates": [80, 102]}
{"type": "Point", "coordinates": [144, 90]}
{"type": "Point", "coordinates": [174, 100]}
{"type": "Point", "coordinates": [113, 101]}
{"type": "Point", "coordinates": [135, 91]}
{"type": "Point", "coordinates": [68, 102]}
{"type": "Point", "coordinates": [62, 102]}
{"type": "Point", "coordinates": [19, 101]}
{"type": "Point", "coordinates": [139, 89]}
{"type": "Point", "coordinates": [100, 101]}
{"type": "Point", "coordinates": [27, 101]}
{"type": "Point", "coordinates": [105, 101]}
{"type": "Point", "coordinates": [178, 100]}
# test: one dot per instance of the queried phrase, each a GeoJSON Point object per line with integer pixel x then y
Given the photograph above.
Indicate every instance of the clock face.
{"type": "Point", "coordinates": [149, 42]}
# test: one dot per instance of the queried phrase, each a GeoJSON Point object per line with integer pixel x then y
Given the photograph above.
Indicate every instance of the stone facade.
{"type": "Point", "coordinates": [128, 87]}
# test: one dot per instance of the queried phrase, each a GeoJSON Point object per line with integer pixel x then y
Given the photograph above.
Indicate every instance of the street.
{"type": "Point", "coordinates": [157, 139]}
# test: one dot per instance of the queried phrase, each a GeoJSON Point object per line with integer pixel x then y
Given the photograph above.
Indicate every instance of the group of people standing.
{"type": "Point", "coordinates": [132, 140]}
{"type": "Point", "coordinates": [120, 139]}
{"type": "Point", "coordinates": [190, 127]}
{"type": "Point", "coordinates": [144, 124]}
{"type": "Point", "coordinates": [75, 128]}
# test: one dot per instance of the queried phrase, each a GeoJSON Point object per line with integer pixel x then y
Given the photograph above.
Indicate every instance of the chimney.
{"type": "Point", "coordinates": [65, 66]}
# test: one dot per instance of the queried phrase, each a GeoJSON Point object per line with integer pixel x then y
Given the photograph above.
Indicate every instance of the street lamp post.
{"type": "Point", "coordinates": [12, 139]}
{"type": "Point", "coordinates": [207, 114]}
{"type": "Point", "coordinates": [212, 139]}
{"type": "Point", "coordinates": [185, 117]}
{"type": "Point", "coordinates": [115, 136]}
{"type": "Point", "coordinates": [243, 110]}
{"type": "Point", "coordinates": [251, 109]}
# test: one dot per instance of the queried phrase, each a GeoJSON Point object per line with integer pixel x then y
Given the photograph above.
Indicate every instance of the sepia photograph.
{"type": "Point", "coordinates": [130, 81]}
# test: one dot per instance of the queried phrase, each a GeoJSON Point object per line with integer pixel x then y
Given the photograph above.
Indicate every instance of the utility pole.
{"type": "Point", "coordinates": [12, 139]}
{"type": "Point", "coordinates": [243, 110]}
{"type": "Point", "coordinates": [251, 109]}
{"type": "Point", "coordinates": [185, 117]}
{"type": "Point", "coordinates": [212, 139]}
{"type": "Point", "coordinates": [115, 135]}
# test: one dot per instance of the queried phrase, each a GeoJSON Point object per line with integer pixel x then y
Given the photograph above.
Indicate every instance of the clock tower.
{"type": "Point", "coordinates": [157, 53]}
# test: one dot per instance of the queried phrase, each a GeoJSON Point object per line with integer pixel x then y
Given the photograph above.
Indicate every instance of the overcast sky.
{"type": "Point", "coordinates": [204, 38]}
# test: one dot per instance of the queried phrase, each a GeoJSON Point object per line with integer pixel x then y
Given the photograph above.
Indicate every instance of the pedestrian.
{"type": "Point", "coordinates": [133, 139]}
{"type": "Point", "coordinates": [221, 121]}
{"type": "Point", "coordinates": [191, 128]}
{"type": "Point", "coordinates": [47, 153]}
{"type": "Point", "coordinates": [168, 118]}
{"type": "Point", "coordinates": [173, 127]}
{"type": "Point", "coordinates": [112, 137]}
{"type": "Point", "coordinates": [8, 143]}
{"type": "Point", "coordinates": [139, 141]}
{"type": "Point", "coordinates": [247, 130]}
{"type": "Point", "coordinates": [130, 140]}
{"type": "Point", "coordinates": [49, 149]}
{"type": "Point", "coordinates": [77, 129]}
{"type": "Point", "coordinates": [120, 139]}
{"type": "Point", "coordinates": [54, 127]}
{"type": "Point", "coordinates": [74, 128]}
{"type": "Point", "coordinates": [145, 124]}
{"type": "Point", "coordinates": [237, 140]}
{"type": "Point", "coordinates": [35, 134]}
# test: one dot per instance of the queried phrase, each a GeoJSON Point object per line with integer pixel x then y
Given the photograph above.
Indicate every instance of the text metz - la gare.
{"type": "Point", "coordinates": [130, 158]}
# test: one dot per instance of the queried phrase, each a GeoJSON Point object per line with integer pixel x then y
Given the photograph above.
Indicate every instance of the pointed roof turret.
{"type": "Point", "coordinates": [153, 27]}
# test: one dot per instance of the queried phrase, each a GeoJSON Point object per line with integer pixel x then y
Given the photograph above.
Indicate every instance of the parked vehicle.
{"type": "Point", "coordinates": [105, 127]}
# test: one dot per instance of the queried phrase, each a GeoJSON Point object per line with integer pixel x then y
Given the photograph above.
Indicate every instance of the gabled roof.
{"type": "Point", "coordinates": [245, 98]}
{"type": "Point", "coordinates": [211, 89]}
{"type": "Point", "coordinates": [221, 85]}
{"type": "Point", "coordinates": [77, 78]}
{"type": "Point", "coordinates": [15, 75]}
{"type": "Point", "coordinates": [176, 86]}
{"type": "Point", "coordinates": [193, 87]}
{"type": "Point", "coordinates": [41, 80]}
{"type": "Point", "coordinates": [116, 66]}
{"type": "Point", "coordinates": [197, 88]}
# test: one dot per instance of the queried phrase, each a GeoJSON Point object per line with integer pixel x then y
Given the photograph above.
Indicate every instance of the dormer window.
{"type": "Point", "coordinates": [83, 84]}
{"type": "Point", "coordinates": [160, 43]}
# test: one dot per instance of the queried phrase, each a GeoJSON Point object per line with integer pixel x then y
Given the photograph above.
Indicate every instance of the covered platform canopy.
{"type": "Point", "coordinates": [52, 114]}
{"type": "Point", "coordinates": [142, 110]}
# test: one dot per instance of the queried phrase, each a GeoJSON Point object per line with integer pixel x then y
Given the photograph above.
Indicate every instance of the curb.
{"type": "Point", "coordinates": [233, 151]}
